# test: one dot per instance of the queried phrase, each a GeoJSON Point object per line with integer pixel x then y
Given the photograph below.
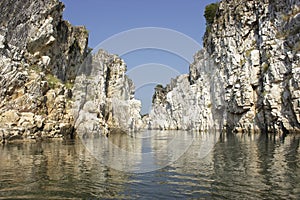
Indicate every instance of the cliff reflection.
{"type": "Point", "coordinates": [256, 166]}
{"type": "Point", "coordinates": [141, 152]}
{"type": "Point", "coordinates": [56, 170]}
{"type": "Point", "coordinates": [206, 166]}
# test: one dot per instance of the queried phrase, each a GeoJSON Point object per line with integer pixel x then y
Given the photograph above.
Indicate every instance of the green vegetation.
{"type": "Point", "coordinates": [159, 86]}
{"type": "Point", "coordinates": [248, 52]}
{"type": "Point", "coordinates": [242, 62]}
{"type": "Point", "coordinates": [210, 13]}
{"type": "Point", "coordinates": [53, 81]}
{"type": "Point", "coordinates": [35, 68]}
{"type": "Point", "coordinates": [86, 31]}
{"type": "Point", "coordinates": [69, 85]}
{"type": "Point", "coordinates": [264, 93]}
{"type": "Point", "coordinates": [265, 67]}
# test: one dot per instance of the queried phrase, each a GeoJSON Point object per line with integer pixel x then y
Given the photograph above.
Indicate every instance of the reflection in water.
{"type": "Point", "coordinates": [143, 152]}
{"type": "Point", "coordinates": [257, 167]}
{"type": "Point", "coordinates": [56, 170]}
{"type": "Point", "coordinates": [237, 167]}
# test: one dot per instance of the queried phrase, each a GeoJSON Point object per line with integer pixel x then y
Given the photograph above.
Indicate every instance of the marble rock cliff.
{"type": "Point", "coordinates": [39, 53]}
{"type": "Point", "coordinates": [104, 96]}
{"type": "Point", "coordinates": [40, 56]}
{"type": "Point", "coordinates": [246, 78]}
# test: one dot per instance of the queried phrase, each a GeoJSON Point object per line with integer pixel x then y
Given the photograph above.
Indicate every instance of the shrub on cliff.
{"type": "Point", "coordinates": [210, 13]}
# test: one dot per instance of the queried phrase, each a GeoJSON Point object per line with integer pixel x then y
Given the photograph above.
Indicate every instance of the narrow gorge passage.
{"type": "Point", "coordinates": [225, 96]}
{"type": "Point", "coordinates": [245, 79]}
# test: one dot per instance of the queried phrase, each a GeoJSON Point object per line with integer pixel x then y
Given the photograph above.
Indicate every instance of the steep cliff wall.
{"type": "Point", "coordinates": [104, 96]}
{"type": "Point", "coordinates": [247, 76]}
{"type": "Point", "coordinates": [40, 55]}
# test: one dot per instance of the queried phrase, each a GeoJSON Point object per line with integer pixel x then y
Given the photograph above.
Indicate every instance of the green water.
{"type": "Point", "coordinates": [236, 167]}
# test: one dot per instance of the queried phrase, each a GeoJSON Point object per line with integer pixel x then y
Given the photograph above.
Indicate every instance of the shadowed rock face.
{"type": "Point", "coordinates": [247, 76]}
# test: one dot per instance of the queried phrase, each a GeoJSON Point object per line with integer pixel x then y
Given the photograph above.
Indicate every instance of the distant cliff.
{"type": "Point", "coordinates": [40, 57]}
{"type": "Point", "coordinates": [246, 78]}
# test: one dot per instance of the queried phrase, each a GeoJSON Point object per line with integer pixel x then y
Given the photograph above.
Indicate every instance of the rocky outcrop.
{"type": "Point", "coordinates": [39, 53]}
{"type": "Point", "coordinates": [34, 32]}
{"type": "Point", "coordinates": [40, 58]}
{"type": "Point", "coordinates": [247, 76]}
{"type": "Point", "coordinates": [188, 103]}
{"type": "Point", "coordinates": [104, 96]}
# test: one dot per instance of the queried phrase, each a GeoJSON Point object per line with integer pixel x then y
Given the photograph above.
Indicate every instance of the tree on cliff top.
{"type": "Point", "coordinates": [210, 13]}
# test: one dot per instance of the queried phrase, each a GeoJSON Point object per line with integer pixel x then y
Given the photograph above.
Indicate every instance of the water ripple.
{"type": "Point", "coordinates": [238, 167]}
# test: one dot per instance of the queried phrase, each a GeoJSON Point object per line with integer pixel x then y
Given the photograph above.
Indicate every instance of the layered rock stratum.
{"type": "Point", "coordinates": [40, 57]}
{"type": "Point", "coordinates": [104, 97]}
{"type": "Point", "coordinates": [245, 79]}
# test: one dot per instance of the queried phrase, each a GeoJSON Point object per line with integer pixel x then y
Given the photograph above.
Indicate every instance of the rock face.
{"type": "Point", "coordinates": [40, 55]}
{"type": "Point", "coordinates": [34, 32]}
{"type": "Point", "coordinates": [104, 96]}
{"type": "Point", "coordinates": [247, 76]}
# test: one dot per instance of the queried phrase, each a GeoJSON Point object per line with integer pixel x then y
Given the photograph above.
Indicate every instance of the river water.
{"type": "Point", "coordinates": [158, 166]}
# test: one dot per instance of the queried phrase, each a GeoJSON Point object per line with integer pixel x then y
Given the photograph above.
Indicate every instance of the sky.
{"type": "Point", "coordinates": [105, 19]}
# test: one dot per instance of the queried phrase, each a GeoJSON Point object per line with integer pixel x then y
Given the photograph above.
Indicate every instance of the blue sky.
{"type": "Point", "coordinates": [105, 18]}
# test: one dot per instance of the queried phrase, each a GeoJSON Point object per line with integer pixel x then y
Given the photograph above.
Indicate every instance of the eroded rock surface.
{"type": "Point", "coordinates": [247, 76]}
{"type": "Point", "coordinates": [104, 96]}
{"type": "Point", "coordinates": [40, 56]}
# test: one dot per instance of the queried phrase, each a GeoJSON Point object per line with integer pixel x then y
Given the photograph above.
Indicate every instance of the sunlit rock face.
{"type": "Point", "coordinates": [185, 105]}
{"type": "Point", "coordinates": [39, 53]}
{"type": "Point", "coordinates": [40, 57]}
{"type": "Point", "coordinates": [247, 76]}
{"type": "Point", "coordinates": [104, 96]}
{"type": "Point", "coordinates": [34, 32]}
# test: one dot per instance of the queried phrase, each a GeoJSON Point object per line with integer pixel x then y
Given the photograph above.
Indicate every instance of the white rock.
{"type": "Point", "coordinates": [2, 39]}
{"type": "Point", "coordinates": [46, 60]}
{"type": "Point", "coordinates": [231, 86]}
{"type": "Point", "coordinates": [255, 57]}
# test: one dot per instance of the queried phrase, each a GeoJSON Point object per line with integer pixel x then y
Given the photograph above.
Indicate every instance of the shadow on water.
{"type": "Point", "coordinates": [234, 167]}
